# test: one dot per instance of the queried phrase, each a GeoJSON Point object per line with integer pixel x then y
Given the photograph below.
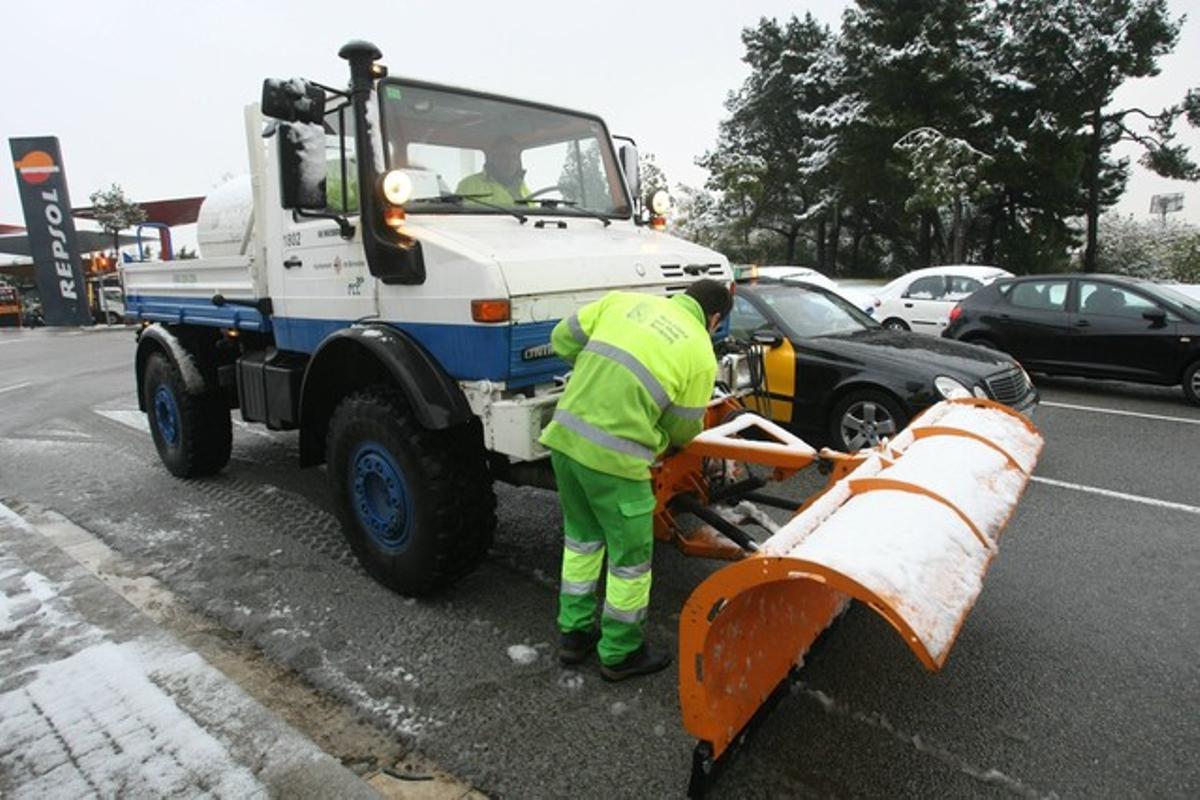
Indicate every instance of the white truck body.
{"type": "Point", "coordinates": [318, 282]}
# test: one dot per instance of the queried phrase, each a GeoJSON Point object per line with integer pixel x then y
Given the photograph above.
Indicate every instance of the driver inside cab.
{"type": "Point", "coordinates": [502, 180]}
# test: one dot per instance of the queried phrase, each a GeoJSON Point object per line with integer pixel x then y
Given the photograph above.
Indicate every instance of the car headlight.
{"type": "Point", "coordinates": [736, 371]}
{"type": "Point", "coordinates": [979, 391]}
{"type": "Point", "coordinates": [949, 388]}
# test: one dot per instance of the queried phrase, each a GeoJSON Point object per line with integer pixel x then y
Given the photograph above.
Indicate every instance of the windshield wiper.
{"type": "Point", "coordinates": [459, 199]}
{"type": "Point", "coordinates": [553, 203]}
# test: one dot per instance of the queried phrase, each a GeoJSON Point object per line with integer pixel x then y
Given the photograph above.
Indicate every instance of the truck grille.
{"type": "Point", "coordinates": [1008, 387]}
{"type": "Point", "coordinates": [690, 270]}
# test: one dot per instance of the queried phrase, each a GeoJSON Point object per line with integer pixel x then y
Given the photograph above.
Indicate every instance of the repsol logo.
{"type": "Point", "coordinates": [58, 245]}
{"type": "Point", "coordinates": [537, 351]}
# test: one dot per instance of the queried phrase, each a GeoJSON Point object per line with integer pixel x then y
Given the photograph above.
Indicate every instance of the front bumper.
{"type": "Point", "coordinates": [1028, 404]}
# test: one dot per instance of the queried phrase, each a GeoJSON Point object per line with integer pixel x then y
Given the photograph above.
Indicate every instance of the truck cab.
{"type": "Point", "coordinates": [386, 280]}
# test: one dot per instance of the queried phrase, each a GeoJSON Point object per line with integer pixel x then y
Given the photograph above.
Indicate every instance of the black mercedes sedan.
{"type": "Point", "coordinates": [1097, 326]}
{"type": "Point", "coordinates": [832, 374]}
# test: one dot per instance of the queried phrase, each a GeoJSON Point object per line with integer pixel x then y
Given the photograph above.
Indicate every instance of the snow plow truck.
{"type": "Point", "coordinates": [356, 288]}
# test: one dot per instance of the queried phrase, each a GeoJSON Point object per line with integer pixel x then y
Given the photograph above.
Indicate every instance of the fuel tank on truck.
{"type": "Point", "coordinates": [226, 220]}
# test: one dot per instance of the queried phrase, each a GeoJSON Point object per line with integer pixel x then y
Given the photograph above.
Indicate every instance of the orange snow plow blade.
{"type": "Point", "coordinates": [908, 528]}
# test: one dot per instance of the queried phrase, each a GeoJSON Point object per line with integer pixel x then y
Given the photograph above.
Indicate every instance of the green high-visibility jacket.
{"type": "Point", "coordinates": [489, 190]}
{"type": "Point", "coordinates": [643, 374]}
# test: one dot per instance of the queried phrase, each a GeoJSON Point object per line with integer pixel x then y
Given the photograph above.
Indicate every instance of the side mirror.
{"type": "Point", "coordinates": [629, 165]}
{"type": "Point", "coordinates": [302, 165]}
{"type": "Point", "coordinates": [1157, 317]}
{"type": "Point", "coordinates": [294, 100]}
{"type": "Point", "coordinates": [767, 337]}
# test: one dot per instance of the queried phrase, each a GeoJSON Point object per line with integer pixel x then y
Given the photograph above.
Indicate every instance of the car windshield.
{"type": "Point", "coordinates": [467, 153]}
{"type": "Point", "coordinates": [808, 311]}
{"type": "Point", "coordinates": [1189, 304]}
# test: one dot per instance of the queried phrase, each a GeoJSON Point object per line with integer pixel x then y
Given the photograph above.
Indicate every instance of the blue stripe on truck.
{"type": "Point", "coordinates": [194, 311]}
{"type": "Point", "coordinates": [513, 354]}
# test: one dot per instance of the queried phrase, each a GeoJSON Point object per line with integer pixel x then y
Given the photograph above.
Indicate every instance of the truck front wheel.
{"type": "Point", "coordinates": [192, 432]}
{"type": "Point", "coordinates": [416, 505]}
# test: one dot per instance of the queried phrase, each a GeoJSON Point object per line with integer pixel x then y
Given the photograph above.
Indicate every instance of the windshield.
{"type": "Point", "coordinates": [1176, 296]}
{"type": "Point", "coordinates": [808, 311]}
{"type": "Point", "coordinates": [467, 153]}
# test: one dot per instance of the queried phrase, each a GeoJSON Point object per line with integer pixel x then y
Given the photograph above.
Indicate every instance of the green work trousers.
{"type": "Point", "coordinates": [601, 513]}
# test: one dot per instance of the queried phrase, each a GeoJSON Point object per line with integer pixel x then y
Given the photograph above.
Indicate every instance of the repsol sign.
{"type": "Point", "coordinates": [51, 229]}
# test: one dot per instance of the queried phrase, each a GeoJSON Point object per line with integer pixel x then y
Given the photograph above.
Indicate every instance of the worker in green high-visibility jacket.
{"type": "Point", "coordinates": [502, 181]}
{"type": "Point", "coordinates": [643, 374]}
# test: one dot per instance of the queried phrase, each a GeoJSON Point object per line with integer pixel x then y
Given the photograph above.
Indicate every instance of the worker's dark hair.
{"type": "Point", "coordinates": [713, 297]}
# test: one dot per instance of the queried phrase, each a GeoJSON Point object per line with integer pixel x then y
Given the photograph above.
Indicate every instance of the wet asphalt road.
{"type": "Point", "coordinates": [1077, 674]}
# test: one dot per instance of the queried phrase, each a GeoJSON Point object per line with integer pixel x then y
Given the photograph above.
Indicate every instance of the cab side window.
{"type": "Point", "coordinates": [745, 319]}
{"type": "Point", "coordinates": [931, 287]}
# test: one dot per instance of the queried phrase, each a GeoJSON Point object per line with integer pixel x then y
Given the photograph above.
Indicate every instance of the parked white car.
{"type": "Point", "coordinates": [921, 300]}
{"type": "Point", "coordinates": [859, 298]}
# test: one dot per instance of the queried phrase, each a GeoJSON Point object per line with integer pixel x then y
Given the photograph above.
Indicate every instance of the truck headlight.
{"type": "Point", "coordinates": [949, 388]}
{"type": "Point", "coordinates": [397, 187]}
{"type": "Point", "coordinates": [660, 203]}
{"type": "Point", "coordinates": [980, 392]}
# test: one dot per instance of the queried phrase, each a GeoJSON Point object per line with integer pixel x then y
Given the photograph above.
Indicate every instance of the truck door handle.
{"type": "Point", "coordinates": [908, 305]}
{"type": "Point", "coordinates": [1082, 323]}
{"type": "Point", "coordinates": [292, 263]}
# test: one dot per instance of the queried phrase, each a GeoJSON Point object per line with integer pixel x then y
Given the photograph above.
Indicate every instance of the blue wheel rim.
{"type": "Point", "coordinates": [379, 494]}
{"type": "Point", "coordinates": [166, 414]}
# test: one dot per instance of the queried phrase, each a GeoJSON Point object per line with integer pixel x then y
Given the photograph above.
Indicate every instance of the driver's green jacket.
{"type": "Point", "coordinates": [643, 374]}
{"type": "Point", "coordinates": [488, 190]}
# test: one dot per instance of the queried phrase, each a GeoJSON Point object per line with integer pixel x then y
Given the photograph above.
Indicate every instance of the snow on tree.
{"type": "Point", "coordinates": [945, 174]}
{"type": "Point", "coordinates": [115, 212]}
{"type": "Point", "coordinates": [1081, 53]}
{"type": "Point", "coordinates": [1158, 250]}
{"type": "Point", "coordinates": [766, 161]}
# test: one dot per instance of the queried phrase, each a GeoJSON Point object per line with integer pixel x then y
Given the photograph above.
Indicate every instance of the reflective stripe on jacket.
{"type": "Point", "coordinates": [643, 374]}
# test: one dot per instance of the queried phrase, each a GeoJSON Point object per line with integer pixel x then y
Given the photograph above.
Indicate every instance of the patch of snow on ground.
{"type": "Point", "coordinates": [96, 724]}
{"type": "Point", "coordinates": [10, 517]}
{"type": "Point", "coordinates": [522, 654]}
{"type": "Point", "coordinates": [570, 680]}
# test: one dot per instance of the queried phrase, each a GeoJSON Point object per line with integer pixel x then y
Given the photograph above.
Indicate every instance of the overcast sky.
{"type": "Point", "coordinates": [150, 94]}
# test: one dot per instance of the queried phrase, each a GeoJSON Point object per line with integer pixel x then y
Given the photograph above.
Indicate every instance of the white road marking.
{"type": "Point", "coordinates": [129, 418]}
{"type": "Point", "coordinates": [14, 387]}
{"type": "Point", "coordinates": [1119, 412]}
{"type": "Point", "coordinates": [1133, 498]}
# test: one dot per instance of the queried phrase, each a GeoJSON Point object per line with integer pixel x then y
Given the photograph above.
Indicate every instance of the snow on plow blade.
{"type": "Point", "coordinates": [910, 532]}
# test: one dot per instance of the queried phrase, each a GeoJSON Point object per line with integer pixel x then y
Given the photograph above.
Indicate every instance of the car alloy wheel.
{"type": "Point", "coordinates": [864, 423]}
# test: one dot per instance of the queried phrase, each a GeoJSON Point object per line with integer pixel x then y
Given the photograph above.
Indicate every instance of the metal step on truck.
{"type": "Point", "coordinates": [358, 287]}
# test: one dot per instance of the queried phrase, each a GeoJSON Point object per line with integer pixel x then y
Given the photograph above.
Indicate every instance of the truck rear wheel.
{"type": "Point", "coordinates": [192, 432]}
{"type": "Point", "coordinates": [416, 505]}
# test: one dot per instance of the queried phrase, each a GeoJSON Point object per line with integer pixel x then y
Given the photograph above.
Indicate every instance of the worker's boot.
{"type": "Point", "coordinates": [642, 661]}
{"type": "Point", "coordinates": [574, 646]}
